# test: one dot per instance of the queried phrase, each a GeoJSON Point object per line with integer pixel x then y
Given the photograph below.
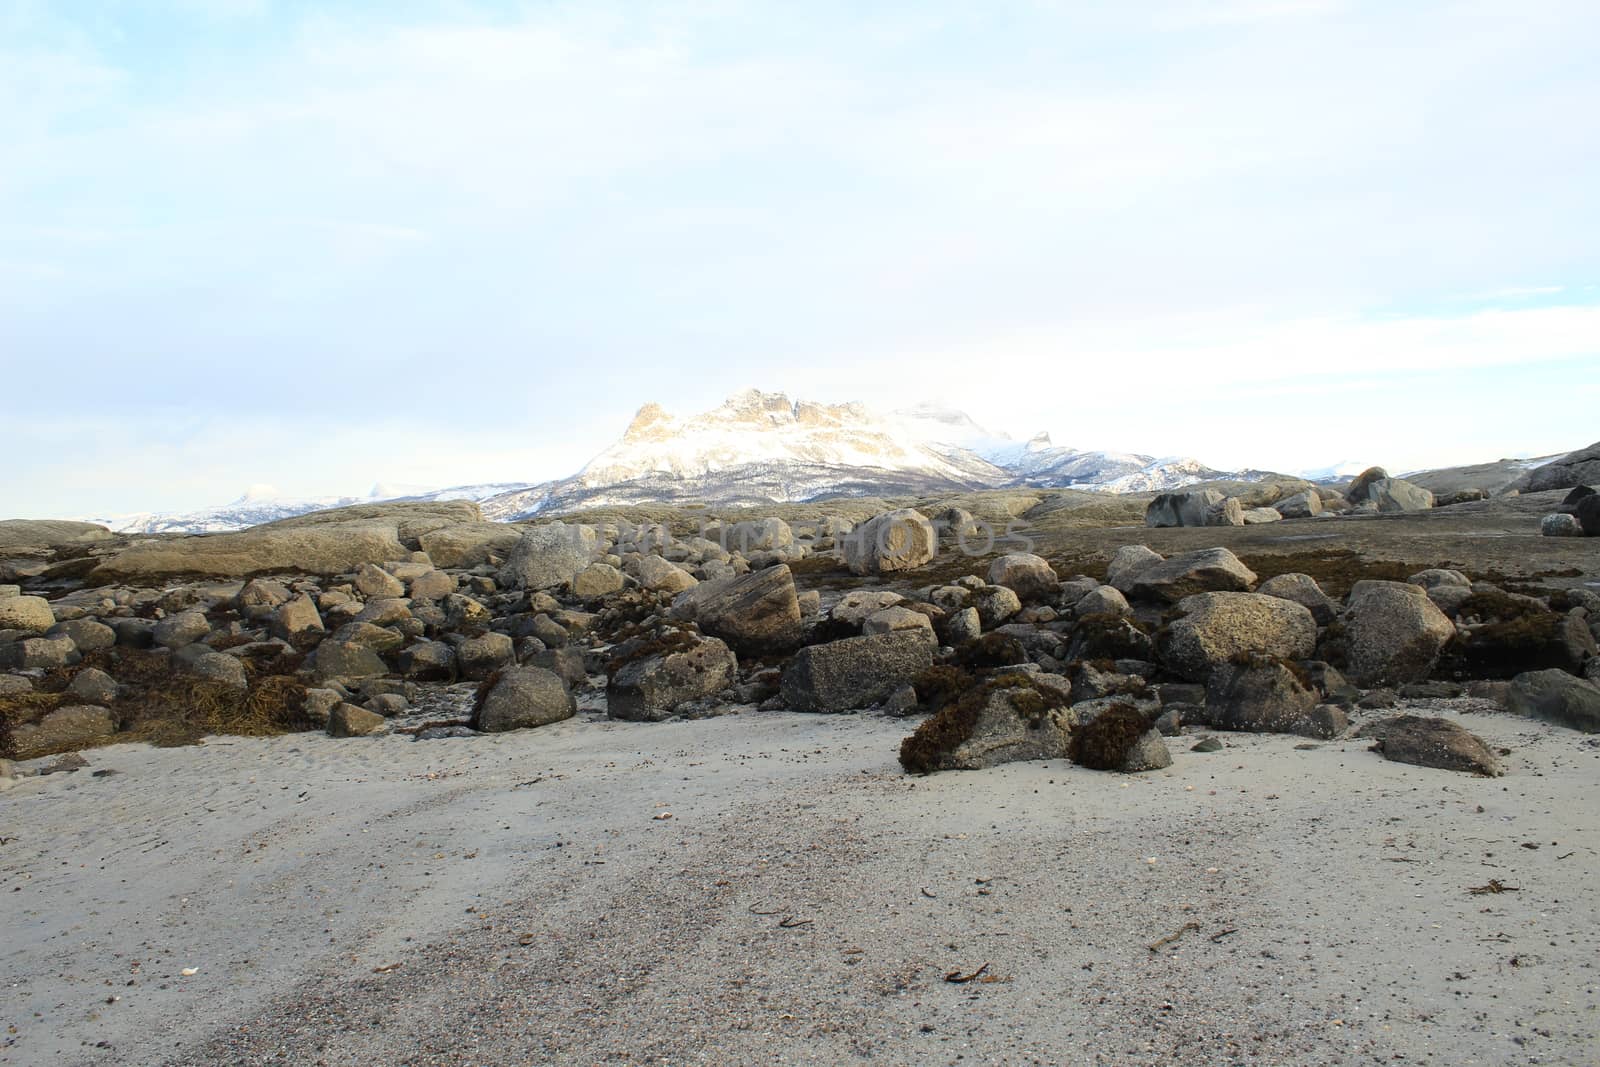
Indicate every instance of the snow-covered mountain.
{"type": "Point", "coordinates": [759, 448]}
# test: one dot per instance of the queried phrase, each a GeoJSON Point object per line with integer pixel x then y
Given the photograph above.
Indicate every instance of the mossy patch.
{"type": "Point", "coordinates": [940, 684]}
{"type": "Point", "coordinates": [663, 642]}
{"type": "Point", "coordinates": [927, 749]}
{"type": "Point", "coordinates": [990, 651]}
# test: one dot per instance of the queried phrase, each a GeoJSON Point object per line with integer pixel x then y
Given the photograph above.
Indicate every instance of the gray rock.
{"type": "Point", "coordinates": [43, 653]}
{"type": "Point", "coordinates": [651, 688]}
{"type": "Point", "coordinates": [14, 685]}
{"type": "Point", "coordinates": [894, 541]}
{"type": "Point", "coordinates": [1587, 512]}
{"type": "Point", "coordinates": [549, 556]}
{"type": "Point", "coordinates": [296, 617]}
{"type": "Point", "coordinates": [28, 614]}
{"type": "Point", "coordinates": [898, 618]}
{"type": "Point", "coordinates": [1302, 589]}
{"type": "Point", "coordinates": [480, 657]}
{"type": "Point", "coordinates": [1012, 718]}
{"type": "Point", "coordinates": [524, 697]}
{"type": "Point", "coordinates": [319, 705]}
{"type": "Point", "coordinates": [26, 536]}
{"type": "Point", "coordinates": [855, 606]}
{"type": "Point", "coordinates": [1025, 574]}
{"type": "Point", "coordinates": [1560, 524]}
{"type": "Point", "coordinates": [1557, 697]}
{"type": "Point", "coordinates": [1431, 742]}
{"type": "Point", "coordinates": [754, 613]}
{"type": "Point", "coordinates": [1304, 505]}
{"type": "Point", "coordinates": [855, 672]}
{"type": "Point", "coordinates": [222, 669]}
{"type": "Point", "coordinates": [963, 626]}
{"type": "Point", "coordinates": [597, 580]}
{"type": "Point", "coordinates": [365, 634]}
{"type": "Point", "coordinates": [429, 661]}
{"type": "Point", "coordinates": [567, 663]}
{"type": "Point", "coordinates": [93, 686]}
{"type": "Point", "coordinates": [335, 659]}
{"type": "Point", "coordinates": [1575, 468]}
{"type": "Point", "coordinates": [662, 576]}
{"type": "Point", "coordinates": [185, 628]}
{"type": "Point", "coordinates": [62, 730]}
{"type": "Point", "coordinates": [375, 583]}
{"type": "Point", "coordinates": [1102, 600]}
{"type": "Point", "coordinates": [1199, 507]}
{"type": "Point", "coordinates": [1259, 516]}
{"type": "Point", "coordinates": [88, 635]}
{"type": "Point", "coordinates": [433, 585]}
{"type": "Point", "coordinates": [1217, 627]}
{"type": "Point", "coordinates": [1393, 633]}
{"type": "Point", "coordinates": [1128, 563]}
{"type": "Point", "coordinates": [995, 605]}
{"type": "Point", "coordinates": [1206, 571]}
{"type": "Point", "coordinates": [470, 544]}
{"type": "Point", "coordinates": [1374, 486]}
{"type": "Point", "coordinates": [1264, 696]}
{"type": "Point", "coordinates": [348, 720]}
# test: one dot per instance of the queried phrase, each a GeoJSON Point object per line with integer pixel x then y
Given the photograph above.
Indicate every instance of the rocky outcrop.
{"type": "Point", "coordinates": [1374, 487]}
{"type": "Point", "coordinates": [320, 549]}
{"type": "Point", "coordinates": [754, 613]}
{"type": "Point", "coordinates": [854, 672]}
{"type": "Point", "coordinates": [470, 544]}
{"type": "Point", "coordinates": [22, 537]}
{"type": "Point", "coordinates": [1200, 507]}
{"type": "Point", "coordinates": [549, 557]}
{"type": "Point", "coordinates": [1575, 468]}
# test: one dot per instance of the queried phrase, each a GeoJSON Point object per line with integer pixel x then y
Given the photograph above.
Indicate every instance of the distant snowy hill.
{"type": "Point", "coordinates": [759, 448]}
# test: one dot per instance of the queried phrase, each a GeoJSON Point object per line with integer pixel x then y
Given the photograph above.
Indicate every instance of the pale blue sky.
{"type": "Point", "coordinates": [321, 245]}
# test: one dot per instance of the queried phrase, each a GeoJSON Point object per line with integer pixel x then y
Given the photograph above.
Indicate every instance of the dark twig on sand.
{"type": "Point", "coordinates": [1495, 886]}
{"type": "Point", "coordinates": [1156, 945]}
{"type": "Point", "coordinates": [957, 978]}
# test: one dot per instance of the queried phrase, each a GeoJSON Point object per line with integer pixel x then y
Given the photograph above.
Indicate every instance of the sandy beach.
{"type": "Point", "coordinates": [525, 899]}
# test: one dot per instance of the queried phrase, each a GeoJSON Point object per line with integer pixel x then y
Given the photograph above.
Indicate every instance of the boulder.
{"type": "Point", "coordinates": [856, 606]}
{"type": "Point", "coordinates": [1374, 486]}
{"type": "Point", "coordinates": [222, 669]}
{"type": "Point", "coordinates": [1016, 716]}
{"type": "Point", "coordinates": [348, 720]}
{"type": "Point", "coordinates": [995, 605]}
{"type": "Point", "coordinates": [1446, 588]}
{"type": "Point", "coordinates": [432, 585]}
{"type": "Point", "coordinates": [368, 635]}
{"type": "Point", "coordinates": [1262, 695]}
{"type": "Point", "coordinates": [470, 544]}
{"type": "Point", "coordinates": [763, 535]}
{"type": "Point", "coordinates": [1258, 516]}
{"type": "Point", "coordinates": [481, 656]}
{"type": "Point", "coordinates": [1025, 574]}
{"type": "Point", "coordinates": [429, 661]}
{"type": "Point", "coordinates": [375, 583]}
{"type": "Point", "coordinates": [567, 663]}
{"type": "Point", "coordinates": [1128, 563]}
{"type": "Point", "coordinates": [962, 626]}
{"type": "Point", "coordinates": [92, 686]}
{"type": "Point", "coordinates": [296, 617]}
{"type": "Point", "coordinates": [1304, 505]}
{"type": "Point", "coordinates": [88, 635]}
{"type": "Point", "coordinates": [898, 618]}
{"type": "Point", "coordinates": [1102, 600]}
{"type": "Point", "coordinates": [524, 697]}
{"type": "Point", "coordinates": [1534, 640]}
{"type": "Point", "coordinates": [62, 730]}
{"type": "Point", "coordinates": [29, 614]}
{"type": "Point", "coordinates": [1555, 696]}
{"type": "Point", "coordinates": [893, 541]}
{"type": "Point", "coordinates": [1217, 627]}
{"type": "Point", "coordinates": [1391, 634]}
{"type": "Point", "coordinates": [184, 628]}
{"type": "Point", "coordinates": [1560, 524]}
{"type": "Point", "coordinates": [1302, 589]}
{"type": "Point", "coordinates": [597, 580]}
{"type": "Point", "coordinates": [1431, 742]}
{"type": "Point", "coordinates": [337, 659]}
{"type": "Point", "coordinates": [1117, 737]}
{"type": "Point", "coordinates": [38, 653]}
{"type": "Point", "coordinates": [1587, 512]}
{"type": "Point", "coordinates": [326, 549]}
{"type": "Point", "coordinates": [1211, 570]}
{"type": "Point", "coordinates": [653, 686]}
{"type": "Point", "coordinates": [754, 613]}
{"type": "Point", "coordinates": [662, 576]}
{"type": "Point", "coordinates": [855, 672]}
{"type": "Point", "coordinates": [550, 556]}
{"type": "Point", "coordinates": [1197, 507]}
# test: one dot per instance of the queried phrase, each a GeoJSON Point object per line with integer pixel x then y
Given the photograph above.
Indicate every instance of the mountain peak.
{"type": "Point", "coordinates": [648, 422]}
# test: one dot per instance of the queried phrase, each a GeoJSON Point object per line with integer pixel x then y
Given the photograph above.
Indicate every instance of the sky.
{"type": "Point", "coordinates": [434, 242]}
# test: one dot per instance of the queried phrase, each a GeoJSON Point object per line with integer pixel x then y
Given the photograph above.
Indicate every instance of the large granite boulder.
{"type": "Point", "coordinates": [62, 730]}
{"type": "Point", "coordinates": [1029, 576]}
{"type": "Point", "coordinates": [855, 672]}
{"type": "Point", "coordinates": [1017, 716]}
{"type": "Point", "coordinates": [470, 544]}
{"type": "Point", "coordinates": [549, 556]}
{"type": "Point", "coordinates": [1374, 486]}
{"type": "Point", "coordinates": [1432, 742]}
{"type": "Point", "coordinates": [1302, 589]}
{"type": "Point", "coordinates": [521, 698]}
{"type": "Point", "coordinates": [1197, 507]}
{"type": "Point", "coordinates": [1557, 697]}
{"type": "Point", "coordinates": [28, 614]}
{"type": "Point", "coordinates": [1217, 627]}
{"type": "Point", "coordinates": [754, 613]}
{"type": "Point", "coordinates": [1262, 694]}
{"type": "Point", "coordinates": [1210, 570]}
{"type": "Point", "coordinates": [657, 683]}
{"type": "Point", "coordinates": [894, 541]}
{"type": "Point", "coordinates": [1391, 634]}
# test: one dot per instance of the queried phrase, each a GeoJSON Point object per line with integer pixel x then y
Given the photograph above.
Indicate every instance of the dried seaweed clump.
{"type": "Point", "coordinates": [928, 746]}
{"type": "Point", "coordinates": [1103, 743]}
